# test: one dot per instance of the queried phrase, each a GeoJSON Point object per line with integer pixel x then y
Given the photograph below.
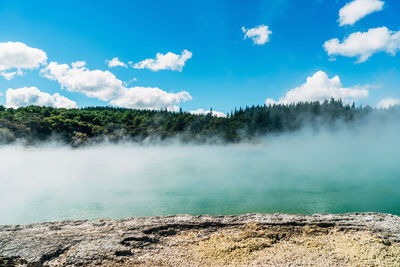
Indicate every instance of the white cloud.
{"type": "Point", "coordinates": [318, 88]}
{"type": "Point", "coordinates": [357, 9]}
{"type": "Point", "coordinates": [78, 64]}
{"type": "Point", "coordinates": [259, 35]}
{"type": "Point", "coordinates": [388, 102]}
{"type": "Point", "coordinates": [16, 55]}
{"type": "Point", "coordinates": [169, 61]}
{"type": "Point", "coordinates": [127, 83]}
{"type": "Point", "coordinates": [105, 86]}
{"type": "Point", "coordinates": [93, 83]}
{"type": "Point", "coordinates": [115, 62]}
{"type": "Point", "coordinates": [201, 111]}
{"type": "Point", "coordinates": [364, 44]}
{"type": "Point", "coordinates": [26, 96]}
{"type": "Point", "coordinates": [271, 102]}
{"type": "Point", "coordinates": [10, 75]}
{"type": "Point", "coordinates": [149, 98]}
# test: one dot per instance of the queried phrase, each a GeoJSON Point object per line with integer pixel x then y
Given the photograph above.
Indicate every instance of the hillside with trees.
{"type": "Point", "coordinates": [33, 124]}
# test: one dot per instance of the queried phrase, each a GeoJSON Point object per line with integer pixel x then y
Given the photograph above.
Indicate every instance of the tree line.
{"type": "Point", "coordinates": [77, 127]}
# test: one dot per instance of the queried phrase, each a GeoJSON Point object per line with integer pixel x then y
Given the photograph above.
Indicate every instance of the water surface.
{"type": "Point", "coordinates": [294, 173]}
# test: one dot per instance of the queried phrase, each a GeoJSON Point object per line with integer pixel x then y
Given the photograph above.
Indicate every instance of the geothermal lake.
{"type": "Point", "coordinates": [295, 173]}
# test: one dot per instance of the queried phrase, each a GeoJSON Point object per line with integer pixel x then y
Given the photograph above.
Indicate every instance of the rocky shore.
{"type": "Point", "coordinates": [352, 239]}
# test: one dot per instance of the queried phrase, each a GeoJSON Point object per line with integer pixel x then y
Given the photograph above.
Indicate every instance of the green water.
{"type": "Point", "coordinates": [299, 174]}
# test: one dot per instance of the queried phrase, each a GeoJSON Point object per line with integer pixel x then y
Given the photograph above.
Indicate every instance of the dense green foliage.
{"type": "Point", "coordinates": [93, 124]}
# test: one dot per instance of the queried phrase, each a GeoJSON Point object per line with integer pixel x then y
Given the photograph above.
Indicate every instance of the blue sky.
{"type": "Point", "coordinates": [225, 70]}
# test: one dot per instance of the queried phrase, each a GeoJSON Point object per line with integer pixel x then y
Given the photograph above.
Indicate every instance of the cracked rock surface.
{"type": "Point", "coordinates": [369, 239]}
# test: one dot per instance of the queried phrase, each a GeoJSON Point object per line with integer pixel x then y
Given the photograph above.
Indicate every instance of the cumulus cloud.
{"type": "Point", "coordinates": [105, 86]}
{"type": "Point", "coordinates": [318, 88]}
{"type": "Point", "coordinates": [93, 83]}
{"type": "Point", "coordinates": [259, 35]}
{"type": "Point", "coordinates": [201, 111]}
{"type": "Point", "coordinates": [364, 44]}
{"type": "Point", "coordinates": [115, 62]}
{"type": "Point", "coordinates": [17, 55]}
{"type": "Point", "coordinates": [150, 98]}
{"type": "Point", "coordinates": [357, 9]}
{"type": "Point", "coordinates": [26, 96]}
{"type": "Point", "coordinates": [169, 61]}
{"type": "Point", "coordinates": [388, 102]}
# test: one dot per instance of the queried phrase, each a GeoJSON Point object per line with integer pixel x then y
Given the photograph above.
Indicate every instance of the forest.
{"type": "Point", "coordinates": [77, 127]}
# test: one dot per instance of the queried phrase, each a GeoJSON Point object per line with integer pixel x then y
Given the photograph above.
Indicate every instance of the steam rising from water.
{"type": "Point", "coordinates": [303, 172]}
